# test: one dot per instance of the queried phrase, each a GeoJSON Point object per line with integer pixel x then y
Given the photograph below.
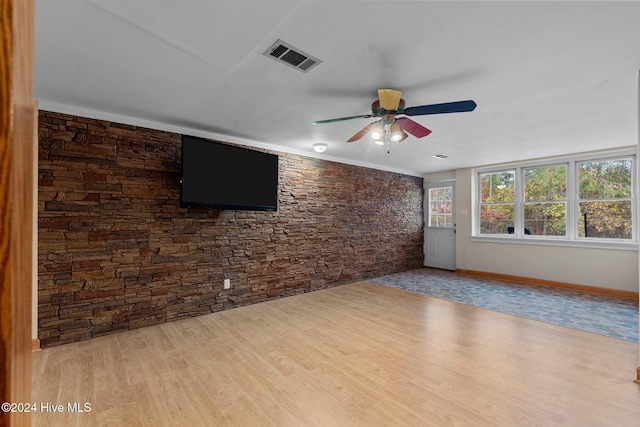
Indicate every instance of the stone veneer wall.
{"type": "Point", "coordinates": [116, 252]}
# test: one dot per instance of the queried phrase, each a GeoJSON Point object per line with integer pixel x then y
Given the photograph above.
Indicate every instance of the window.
{"type": "Point", "coordinates": [581, 199]}
{"type": "Point", "coordinates": [497, 202]}
{"type": "Point", "coordinates": [545, 200]}
{"type": "Point", "coordinates": [441, 207]}
{"type": "Point", "coordinates": [604, 198]}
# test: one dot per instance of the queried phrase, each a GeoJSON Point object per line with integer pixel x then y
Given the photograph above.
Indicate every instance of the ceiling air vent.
{"type": "Point", "coordinates": [291, 56]}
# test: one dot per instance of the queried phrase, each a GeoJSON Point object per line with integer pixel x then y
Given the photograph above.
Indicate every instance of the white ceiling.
{"type": "Point", "coordinates": [549, 78]}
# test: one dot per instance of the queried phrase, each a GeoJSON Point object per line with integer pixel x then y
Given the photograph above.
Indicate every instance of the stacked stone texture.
{"type": "Point", "coordinates": [117, 252]}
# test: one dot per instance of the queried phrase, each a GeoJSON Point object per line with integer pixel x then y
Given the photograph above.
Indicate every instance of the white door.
{"type": "Point", "coordinates": [440, 226]}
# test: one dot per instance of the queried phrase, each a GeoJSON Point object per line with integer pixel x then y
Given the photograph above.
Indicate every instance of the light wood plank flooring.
{"type": "Point", "coordinates": [354, 355]}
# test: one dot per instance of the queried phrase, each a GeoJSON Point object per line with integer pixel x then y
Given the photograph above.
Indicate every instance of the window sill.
{"type": "Point", "coordinates": [590, 244]}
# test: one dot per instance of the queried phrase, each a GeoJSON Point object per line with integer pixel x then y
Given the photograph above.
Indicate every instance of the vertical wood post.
{"type": "Point", "coordinates": [17, 149]}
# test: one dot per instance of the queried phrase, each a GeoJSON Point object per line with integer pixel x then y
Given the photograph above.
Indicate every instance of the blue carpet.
{"type": "Point", "coordinates": [601, 314]}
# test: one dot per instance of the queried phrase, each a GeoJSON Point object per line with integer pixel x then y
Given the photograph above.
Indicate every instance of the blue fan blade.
{"type": "Point", "coordinates": [447, 107]}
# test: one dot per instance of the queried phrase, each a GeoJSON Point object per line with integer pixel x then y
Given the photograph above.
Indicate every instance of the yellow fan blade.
{"type": "Point", "coordinates": [389, 98]}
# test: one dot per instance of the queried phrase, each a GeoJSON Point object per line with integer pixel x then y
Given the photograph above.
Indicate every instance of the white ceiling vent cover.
{"type": "Point", "coordinates": [291, 56]}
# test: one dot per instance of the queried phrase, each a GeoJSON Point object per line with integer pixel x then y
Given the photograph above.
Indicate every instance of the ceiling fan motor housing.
{"type": "Point", "coordinates": [378, 111]}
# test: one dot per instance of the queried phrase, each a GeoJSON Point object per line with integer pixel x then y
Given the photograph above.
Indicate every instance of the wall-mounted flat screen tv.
{"type": "Point", "coordinates": [221, 176]}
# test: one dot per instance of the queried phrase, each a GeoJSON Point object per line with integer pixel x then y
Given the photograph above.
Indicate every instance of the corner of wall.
{"type": "Point", "coordinates": [34, 245]}
{"type": "Point", "coordinates": [638, 215]}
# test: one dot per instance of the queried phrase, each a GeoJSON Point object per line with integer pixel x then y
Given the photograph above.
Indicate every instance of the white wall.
{"type": "Point", "coordinates": [605, 268]}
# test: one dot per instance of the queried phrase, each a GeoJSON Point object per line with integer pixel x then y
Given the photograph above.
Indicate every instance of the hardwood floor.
{"type": "Point", "coordinates": [359, 354]}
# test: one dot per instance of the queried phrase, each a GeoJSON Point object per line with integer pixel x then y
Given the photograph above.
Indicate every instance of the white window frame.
{"type": "Point", "coordinates": [572, 203]}
{"type": "Point", "coordinates": [438, 186]}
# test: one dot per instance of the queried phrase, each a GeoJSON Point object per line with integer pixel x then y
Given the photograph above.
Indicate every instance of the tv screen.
{"type": "Point", "coordinates": [222, 176]}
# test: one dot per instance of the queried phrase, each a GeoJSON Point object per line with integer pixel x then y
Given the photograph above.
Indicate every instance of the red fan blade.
{"type": "Point", "coordinates": [362, 132]}
{"type": "Point", "coordinates": [414, 128]}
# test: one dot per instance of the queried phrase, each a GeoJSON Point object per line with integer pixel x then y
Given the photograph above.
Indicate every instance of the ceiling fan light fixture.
{"type": "Point", "coordinates": [396, 133]}
{"type": "Point", "coordinates": [377, 133]}
{"type": "Point", "coordinates": [320, 147]}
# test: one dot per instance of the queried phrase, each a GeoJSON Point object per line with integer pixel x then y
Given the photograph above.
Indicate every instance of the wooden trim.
{"type": "Point", "coordinates": [637, 380]}
{"type": "Point", "coordinates": [35, 345]}
{"type": "Point", "coordinates": [18, 134]}
{"type": "Point", "coordinates": [553, 284]}
{"type": "Point", "coordinates": [5, 160]}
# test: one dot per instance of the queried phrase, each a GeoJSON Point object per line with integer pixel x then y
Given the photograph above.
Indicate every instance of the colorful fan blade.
{"type": "Point", "coordinates": [362, 132]}
{"type": "Point", "coordinates": [414, 128]}
{"type": "Point", "coordinates": [389, 98]}
{"type": "Point", "coordinates": [340, 119]}
{"type": "Point", "coordinates": [447, 107]}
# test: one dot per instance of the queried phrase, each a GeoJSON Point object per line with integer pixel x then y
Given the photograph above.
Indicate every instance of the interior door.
{"type": "Point", "coordinates": [440, 225]}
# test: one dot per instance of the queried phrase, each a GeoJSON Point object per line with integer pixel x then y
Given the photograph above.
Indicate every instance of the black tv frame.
{"type": "Point", "coordinates": [238, 174]}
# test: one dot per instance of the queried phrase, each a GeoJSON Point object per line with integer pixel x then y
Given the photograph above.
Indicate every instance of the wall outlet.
{"type": "Point", "coordinates": [227, 283]}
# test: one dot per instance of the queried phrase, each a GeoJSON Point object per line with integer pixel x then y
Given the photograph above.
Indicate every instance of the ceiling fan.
{"type": "Point", "coordinates": [393, 125]}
